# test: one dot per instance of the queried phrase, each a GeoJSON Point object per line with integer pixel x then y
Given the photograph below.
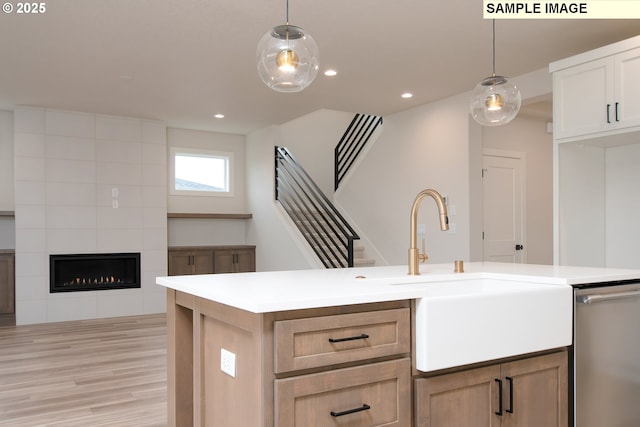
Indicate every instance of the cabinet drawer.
{"type": "Point", "coordinates": [376, 394]}
{"type": "Point", "coordinates": [321, 341]}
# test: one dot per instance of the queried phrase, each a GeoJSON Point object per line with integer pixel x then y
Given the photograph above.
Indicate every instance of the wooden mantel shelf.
{"type": "Point", "coordinates": [210, 215]}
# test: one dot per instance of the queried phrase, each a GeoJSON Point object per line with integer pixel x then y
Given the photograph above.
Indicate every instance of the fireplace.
{"type": "Point", "coordinates": [93, 272]}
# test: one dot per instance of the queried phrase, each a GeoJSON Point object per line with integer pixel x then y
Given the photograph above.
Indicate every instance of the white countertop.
{"type": "Point", "coordinates": [265, 292]}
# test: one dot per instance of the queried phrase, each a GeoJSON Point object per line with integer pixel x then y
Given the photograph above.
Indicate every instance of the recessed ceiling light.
{"type": "Point", "coordinates": [407, 95]}
{"type": "Point", "coordinates": [331, 73]}
{"type": "Point", "coordinates": [219, 116]}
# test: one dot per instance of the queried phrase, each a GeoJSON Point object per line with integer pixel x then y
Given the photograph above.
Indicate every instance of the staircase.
{"type": "Point", "coordinates": [359, 257]}
{"type": "Point", "coordinates": [320, 223]}
{"type": "Point", "coordinates": [312, 225]}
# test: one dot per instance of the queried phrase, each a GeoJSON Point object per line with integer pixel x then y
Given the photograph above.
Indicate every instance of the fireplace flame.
{"type": "Point", "coordinates": [102, 280]}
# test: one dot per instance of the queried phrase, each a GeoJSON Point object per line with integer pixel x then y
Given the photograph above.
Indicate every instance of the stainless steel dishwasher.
{"type": "Point", "coordinates": [606, 355]}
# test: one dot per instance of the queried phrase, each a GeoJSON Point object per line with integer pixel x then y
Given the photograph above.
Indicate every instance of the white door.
{"type": "Point", "coordinates": [503, 210]}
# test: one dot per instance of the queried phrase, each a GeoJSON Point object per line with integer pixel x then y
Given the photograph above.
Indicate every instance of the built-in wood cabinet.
{"type": "Point", "coordinates": [186, 261]}
{"type": "Point", "coordinates": [234, 260]}
{"type": "Point", "coordinates": [7, 282]}
{"type": "Point", "coordinates": [526, 392]}
{"type": "Point", "coordinates": [597, 97]}
{"type": "Point", "coordinates": [211, 259]}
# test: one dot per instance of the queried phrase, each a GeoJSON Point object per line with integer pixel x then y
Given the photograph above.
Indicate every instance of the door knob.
{"type": "Point", "coordinates": [519, 247]}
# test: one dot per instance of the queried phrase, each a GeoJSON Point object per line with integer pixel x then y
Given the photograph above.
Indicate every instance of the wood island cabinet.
{"type": "Point", "coordinates": [528, 392]}
{"type": "Point", "coordinates": [347, 365]}
{"type": "Point", "coordinates": [211, 259]}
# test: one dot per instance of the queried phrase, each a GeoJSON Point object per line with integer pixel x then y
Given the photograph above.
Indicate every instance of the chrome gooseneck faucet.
{"type": "Point", "coordinates": [414, 254]}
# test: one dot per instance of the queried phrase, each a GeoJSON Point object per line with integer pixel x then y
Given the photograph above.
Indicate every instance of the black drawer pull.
{"type": "Point", "coordinates": [364, 407]}
{"type": "Point", "coordinates": [510, 380]}
{"type": "Point", "coordinates": [499, 411]}
{"type": "Point", "coordinates": [359, 337]}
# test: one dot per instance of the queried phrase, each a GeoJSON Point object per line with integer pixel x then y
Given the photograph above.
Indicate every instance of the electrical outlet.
{"type": "Point", "coordinates": [228, 362]}
{"type": "Point", "coordinates": [114, 204]}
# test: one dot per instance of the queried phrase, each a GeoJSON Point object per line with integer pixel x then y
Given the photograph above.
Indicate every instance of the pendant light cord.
{"type": "Point", "coordinates": [287, 9]}
{"type": "Point", "coordinates": [494, 43]}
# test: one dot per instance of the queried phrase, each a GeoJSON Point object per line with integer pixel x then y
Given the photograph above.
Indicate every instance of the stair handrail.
{"type": "Point", "coordinates": [320, 222]}
{"type": "Point", "coordinates": [353, 141]}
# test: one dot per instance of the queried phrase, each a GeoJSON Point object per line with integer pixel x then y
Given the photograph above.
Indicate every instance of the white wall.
{"type": "Point", "coordinates": [7, 223]}
{"type": "Point", "coordinates": [208, 232]}
{"type": "Point", "coordinates": [599, 201]}
{"type": "Point", "coordinates": [235, 144]}
{"type": "Point", "coordinates": [312, 139]}
{"type": "Point", "coordinates": [581, 195]}
{"type": "Point", "coordinates": [277, 246]}
{"type": "Point", "coordinates": [6, 161]}
{"type": "Point", "coordinates": [431, 146]}
{"type": "Point", "coordinates": [66, 167]}
{"type": "Point", "coordinates": [425, 147]}
{"type": "Point", "coordinates": [622, 228]}
{"type": "Point", "coordinates": [529, 136]}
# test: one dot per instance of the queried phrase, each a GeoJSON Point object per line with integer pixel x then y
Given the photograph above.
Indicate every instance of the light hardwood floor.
{"type": "Point", "coordinates": [90, 373]}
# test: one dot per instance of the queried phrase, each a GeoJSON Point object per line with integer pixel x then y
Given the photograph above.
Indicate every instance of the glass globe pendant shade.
{"type": "Point", "coordinates": [288, 59]}
{"type": "Point", "coordinates": [495, 101]}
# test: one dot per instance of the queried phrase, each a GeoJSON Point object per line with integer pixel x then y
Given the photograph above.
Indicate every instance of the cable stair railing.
{"type": "Point", "coordinates": [322, 226]}
{"type": "Point", "coordinates": [353, 141]}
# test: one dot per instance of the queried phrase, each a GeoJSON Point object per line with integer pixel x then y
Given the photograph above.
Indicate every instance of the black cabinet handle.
{"type": "Point", "coordinates": [499, 411]}
{"type": "Point", "coordinates": [364, 407]}
{"type": "Point", "coordinates": [510, 380]}
{"type": "Point", "coordinates": [358, 337]}
{"type": "Point", "coordinates": [617, 119]}
{"type": "Point", "coordinates": [519, 247]}
{"type": "Point", "coordinates": [608, 117]}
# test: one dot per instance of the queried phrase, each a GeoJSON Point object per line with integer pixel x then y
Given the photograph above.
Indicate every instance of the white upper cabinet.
{"type": "Point", "coordinates": [597, 97]}
{"type": "Point", "coordinates": [581, 96]}
{"type": "Point", "coordinates": [627, 88]}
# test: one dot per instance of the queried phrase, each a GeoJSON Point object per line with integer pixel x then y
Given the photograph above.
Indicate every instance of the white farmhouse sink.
{"type": "Point", "coordinates": [469, 321]}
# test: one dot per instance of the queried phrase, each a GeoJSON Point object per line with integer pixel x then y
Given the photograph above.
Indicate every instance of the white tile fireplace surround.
{"type": "Point", "coordinates": [87, 183]}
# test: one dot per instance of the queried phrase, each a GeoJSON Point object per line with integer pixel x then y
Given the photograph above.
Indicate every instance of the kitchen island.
{"type": "Point", "coordinates": [329, 347]}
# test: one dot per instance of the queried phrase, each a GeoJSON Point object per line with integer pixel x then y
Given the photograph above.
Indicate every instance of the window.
{"type": "Point", "coordinates": [200, 172]}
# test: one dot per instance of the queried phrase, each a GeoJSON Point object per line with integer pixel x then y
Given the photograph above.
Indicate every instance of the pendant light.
{"type": "Point", "coordinates": [495, 100]}
{"type": "Point", "coordinates": [287, 57]}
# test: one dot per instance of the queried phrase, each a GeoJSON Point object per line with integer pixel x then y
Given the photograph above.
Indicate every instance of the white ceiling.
{"type": "Point", "coordinates": [181, 61]}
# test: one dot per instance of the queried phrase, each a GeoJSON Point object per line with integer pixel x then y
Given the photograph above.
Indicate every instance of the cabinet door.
{"type": "Point", "coordinates": [462, 399]}
{"type": "Point", "coordinates": [535, 392]}
{"type": "Point", "coordinates": [234, 260]}
{"type": "Point", "coordinates": [583, 99]}
{"type": "Point", "coordinates": [224, 261]}
{"type": "Point", "coordinates": [180, 263]}
{"type": "Point", "coordinates": [377, 394]}
{"type": "Point", "coordinates": [627, 67]}
{"type": "Point", "coordinates": [245, 260]}
{"type": "Point", "coordinates": [202, 262]}
{"type": "Point", "coordinates": [183, 262]}
{"type": "Point", "coordinates": [7, 284]}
